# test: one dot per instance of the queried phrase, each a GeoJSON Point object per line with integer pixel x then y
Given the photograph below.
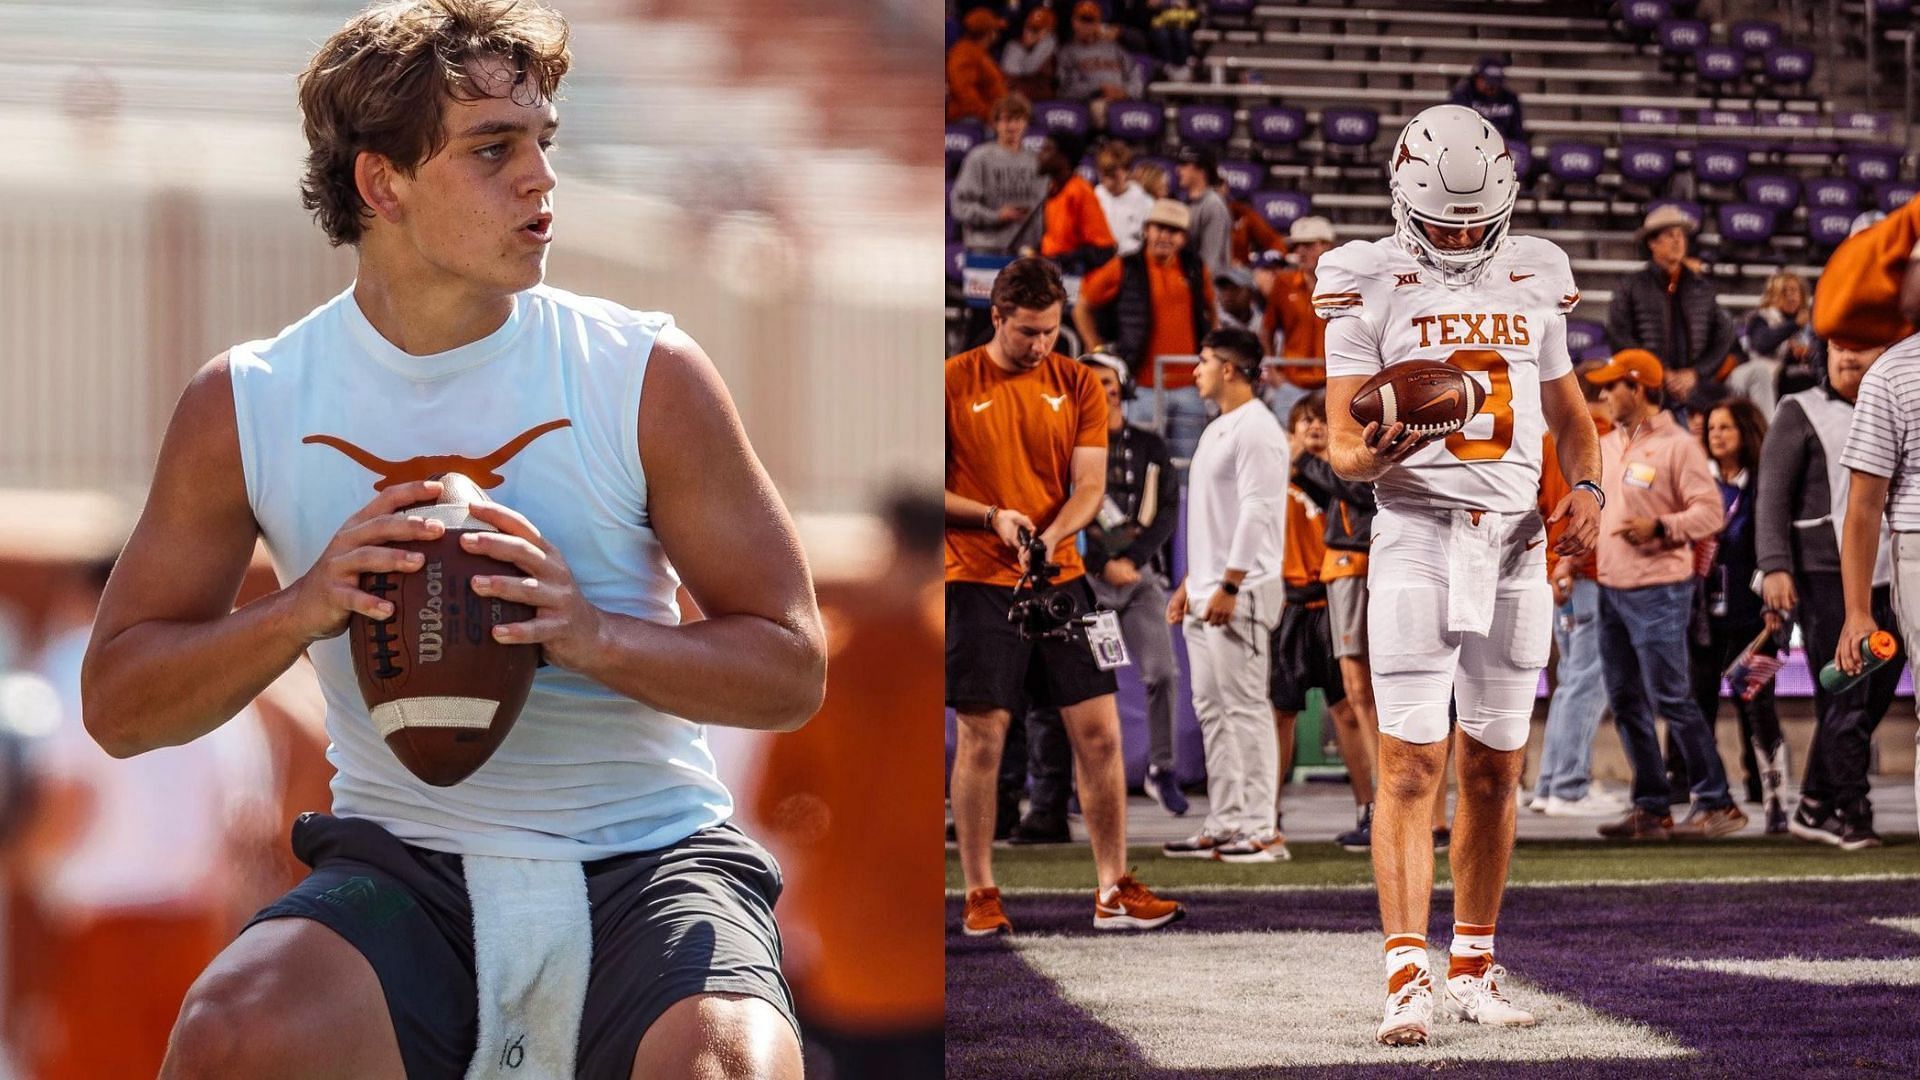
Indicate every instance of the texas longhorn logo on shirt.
{"type": "Point", "coordinates": [482, 470]}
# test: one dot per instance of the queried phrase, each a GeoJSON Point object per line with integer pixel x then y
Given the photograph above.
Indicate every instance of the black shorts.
{"type": "Point", "coordinates": [989, 663]}
{"type": "Point", "coordinates": [1303, 658]}
{"type": "Point", "coordinates": [693, 918]}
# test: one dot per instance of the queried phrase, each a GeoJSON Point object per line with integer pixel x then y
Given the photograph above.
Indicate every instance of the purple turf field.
{"type": "Point", "coordinates": [1827, 990]}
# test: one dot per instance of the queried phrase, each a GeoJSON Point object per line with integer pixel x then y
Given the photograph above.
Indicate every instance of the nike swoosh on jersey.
{"type": "Point", "coordinates": [979, 405]}
{"type": "Point", "coordinates": [1511, 276]}
{"type": "Point", "coordinates": [1531, 544]}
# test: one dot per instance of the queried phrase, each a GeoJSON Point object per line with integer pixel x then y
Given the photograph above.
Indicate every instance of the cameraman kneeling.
{"type": "Point", "coordinates": [1026, 453]}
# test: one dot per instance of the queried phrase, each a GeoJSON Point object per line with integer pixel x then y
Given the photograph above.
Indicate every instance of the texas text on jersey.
{"type": "Point", "coordinates": [1508, 329]}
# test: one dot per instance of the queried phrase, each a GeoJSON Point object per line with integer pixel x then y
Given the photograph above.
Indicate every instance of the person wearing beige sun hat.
{"type": "Point", "coordinates": [1670, 308]}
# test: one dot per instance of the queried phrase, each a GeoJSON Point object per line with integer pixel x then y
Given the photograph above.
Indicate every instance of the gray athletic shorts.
{"type": "Point", "coordinates": [694, 917]}
{"type": "Point", "coordinates": [1347, 612]}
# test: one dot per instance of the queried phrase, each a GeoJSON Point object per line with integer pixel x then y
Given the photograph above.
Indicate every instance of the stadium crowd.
{"type": "Point", "coordinates": [1729, 452]}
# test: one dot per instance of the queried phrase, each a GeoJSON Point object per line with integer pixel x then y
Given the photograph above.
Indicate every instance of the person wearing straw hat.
{"type": "Point", "coordinates": [1156, 302]}
{"type": "Point", "coordinates": [1670, 309]}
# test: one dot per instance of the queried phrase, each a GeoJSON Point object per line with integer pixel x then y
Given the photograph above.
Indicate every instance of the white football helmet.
{"type": "Point", "coordinates": [1452, 170]}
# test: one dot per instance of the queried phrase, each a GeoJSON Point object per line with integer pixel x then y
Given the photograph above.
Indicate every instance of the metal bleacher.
{"type": "Point", "coordinates": [1584, 82]}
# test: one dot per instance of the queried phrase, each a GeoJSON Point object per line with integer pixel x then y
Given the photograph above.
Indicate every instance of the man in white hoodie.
{"type": "Point", "coordinates": [1230, 602]}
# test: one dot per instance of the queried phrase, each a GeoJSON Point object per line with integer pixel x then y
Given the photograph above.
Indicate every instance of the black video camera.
{"type": "Point", "coordinates": [1041, 616]}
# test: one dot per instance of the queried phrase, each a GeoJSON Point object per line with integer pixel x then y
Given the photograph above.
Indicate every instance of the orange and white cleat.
{"type": "Point", "coordinates": [1409, 1008]}
{"type": "Point", "coordinates": [1129, 906]}
{"type": "Point", "coordinates": [984, 915]}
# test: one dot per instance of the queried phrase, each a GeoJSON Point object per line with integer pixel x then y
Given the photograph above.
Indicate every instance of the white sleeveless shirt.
{"type": "Point", "coordinates": [544, 414]}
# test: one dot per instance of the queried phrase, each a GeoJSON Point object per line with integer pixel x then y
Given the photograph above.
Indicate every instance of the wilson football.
{"type": "Point", "coordinates": [1431, 397]}
{"type": "Point", "coordinates": [443, 693]}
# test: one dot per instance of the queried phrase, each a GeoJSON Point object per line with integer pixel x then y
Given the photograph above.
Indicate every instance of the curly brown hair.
{"type": "Point", "coordinates": [378, 85]}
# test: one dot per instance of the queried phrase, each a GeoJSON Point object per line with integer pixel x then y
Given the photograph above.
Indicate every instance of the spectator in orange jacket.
{"type": "Point", "coordinates": [1302, 334]}
{"type": "Point", "coordinates": [974, 82]}
{"type": "Point", "coordinates": [1076, 234]}
{"type": "Point", "coordinates": [866, 969]}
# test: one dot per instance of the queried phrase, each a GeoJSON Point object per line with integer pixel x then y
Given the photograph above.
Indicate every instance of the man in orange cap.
{"type": "Point", "coordinates": [1660, 499]}
{"type": "Point", "coordinates": [974, 82]}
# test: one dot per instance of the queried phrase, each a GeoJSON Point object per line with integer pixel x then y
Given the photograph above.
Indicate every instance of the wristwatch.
{"type": "Point", "coordinates": [1230, 588]}
{"type": "Point", "coordinates": [1599, 496]}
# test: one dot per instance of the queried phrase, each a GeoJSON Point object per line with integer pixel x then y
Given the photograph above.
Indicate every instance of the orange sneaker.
{"type": "Point", "coordinates": [985, 915]}
{"type": "Point", "coordinates": [1129, 906]}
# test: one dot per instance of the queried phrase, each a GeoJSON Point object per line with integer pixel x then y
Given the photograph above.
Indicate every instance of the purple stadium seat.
{"type": "Point", "coordinates": [1718, 65]}
{"type": "Point", "coordinates": [1754, 36]}
{"type": "Point", "coordinates": [962, 136]}
{"type": "Point", "coordinates": [1643, 16]}
{"type": "Point", "coordinates": [1230, 7]}
{"type": "Point", "coordinates": [1827, 228]}
{"type": "Point", "coordinates": [1088, 171]}
{"type": "Point", "coordinates": [1209, 125]}
{"type": "Point", "coordinates": [1725, 118]}
{"type": "Point", "coordinates": [1135, 121]}
{"type": "Point", "coordinates": [1586, 340]}
{"type": "Point", "coordinates": [1891, 197]}
{"type": "Point", "coordinates": [1280, 208]}
{"type": "Point", "coordinates": [1892, 8]}
{"type": "Point", "coordinates": [1873, 166]}
{"type": "Point", "coordinates": [1277, 125]}
{"type": "Point", "coordinates": [1647, 114]}
{"type": "Point", "coordinates": [1685, 206]}
{"type": "Point", "coordinates": [1778, 193]}
{"type": "Point", "coordinates": [1746, 223]}
{"type": "Point", "coordinates": [1068, 116]}
{"type": "Point", "coordinates": [1679, 38]}
{"type": "Point", "coordinates": [956, 258]}
{"type": "Point", "coordinates": [1243, 177]}
{"type": "Point", "coordinates": [1788, 65]}
{"type": "Point", "coordinates": [1836, 193]}
{"type": "Point", "coordinates": [1719, 163]}
{"type": "Point", "coordinates": [1878, 123]}
{"type": "Point", "coordinates": [1349, 127]}
{"type": "Point", "coordinates": [1782, 118]}
{"type": "Point", "coordinates": [1574, 162]}
{"type": "Point", "coordinates": [1522, 159]}
{"type": "Point", "coordinates": [1646, 163]}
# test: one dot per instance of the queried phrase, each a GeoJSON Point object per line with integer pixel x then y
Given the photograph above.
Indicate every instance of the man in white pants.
{"type": "Point", "coordinates": [1236, 489]}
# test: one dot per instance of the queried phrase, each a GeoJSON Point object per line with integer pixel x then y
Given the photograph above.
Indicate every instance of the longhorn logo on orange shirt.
{"type": "Point", "coordinates": [482, 470]}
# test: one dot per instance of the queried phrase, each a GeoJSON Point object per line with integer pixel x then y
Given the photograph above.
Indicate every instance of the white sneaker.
{"type": "Point", "coordinates": [1254, 849]}
{"type": "Point", "coordinates": [1537, 803]}
{"type": "Point", "coordinates": [1409, 1013]}
{"type": "Point", "coordinates": [1595, 803]}
{"type": "Point", "coordinates": [1477, 999]}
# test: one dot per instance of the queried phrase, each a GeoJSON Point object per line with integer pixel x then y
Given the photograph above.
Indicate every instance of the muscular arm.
{"type": "Point", "coordinates": [758, 659]}
{"type": "Point", "coordinates": [1577, 443]}
{"type": "Point", "coordinates": [1089, 486]}
{"type": "Point", "coordinates": [170, 659]}
{"type": "Point", "coordinates": [1346, 445]}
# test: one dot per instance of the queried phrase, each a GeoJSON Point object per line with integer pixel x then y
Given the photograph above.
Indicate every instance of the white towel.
{"type": "Point", "coordinates": [1473, 570]}
{"type": "Point", "coordinates": [532, 943]}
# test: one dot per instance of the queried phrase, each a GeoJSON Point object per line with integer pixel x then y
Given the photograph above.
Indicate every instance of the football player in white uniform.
{"type": "Point", "coordinates": [1460, 606]}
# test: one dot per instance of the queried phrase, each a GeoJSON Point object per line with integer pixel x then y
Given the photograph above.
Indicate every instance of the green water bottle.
{"type": "Point", "coordinates": [1875, 649]}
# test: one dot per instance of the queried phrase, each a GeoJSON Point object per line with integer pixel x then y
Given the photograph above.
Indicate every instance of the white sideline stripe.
{"type": "Point", "coordinates": [1246, 1000]}
{"type": "Point", "coordinates": [1202, 890]}
{"type": "Point", "coordinates": [1902, 971]}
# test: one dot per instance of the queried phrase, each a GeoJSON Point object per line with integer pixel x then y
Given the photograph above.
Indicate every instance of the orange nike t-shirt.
{"type": "Point", "coordinates": [1010, 443]}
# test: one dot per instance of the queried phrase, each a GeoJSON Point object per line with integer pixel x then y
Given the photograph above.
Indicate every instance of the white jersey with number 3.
{"type": "Point", "coordinates": [1508, 330]}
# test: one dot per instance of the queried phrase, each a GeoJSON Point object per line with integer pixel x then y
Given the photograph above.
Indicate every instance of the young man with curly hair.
{"type": "Point", "coordinates": [639, 936]}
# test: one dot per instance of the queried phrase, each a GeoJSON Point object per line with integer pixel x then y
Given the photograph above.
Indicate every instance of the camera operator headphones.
{"type": "Point", "coordinates": [1103, 359]}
